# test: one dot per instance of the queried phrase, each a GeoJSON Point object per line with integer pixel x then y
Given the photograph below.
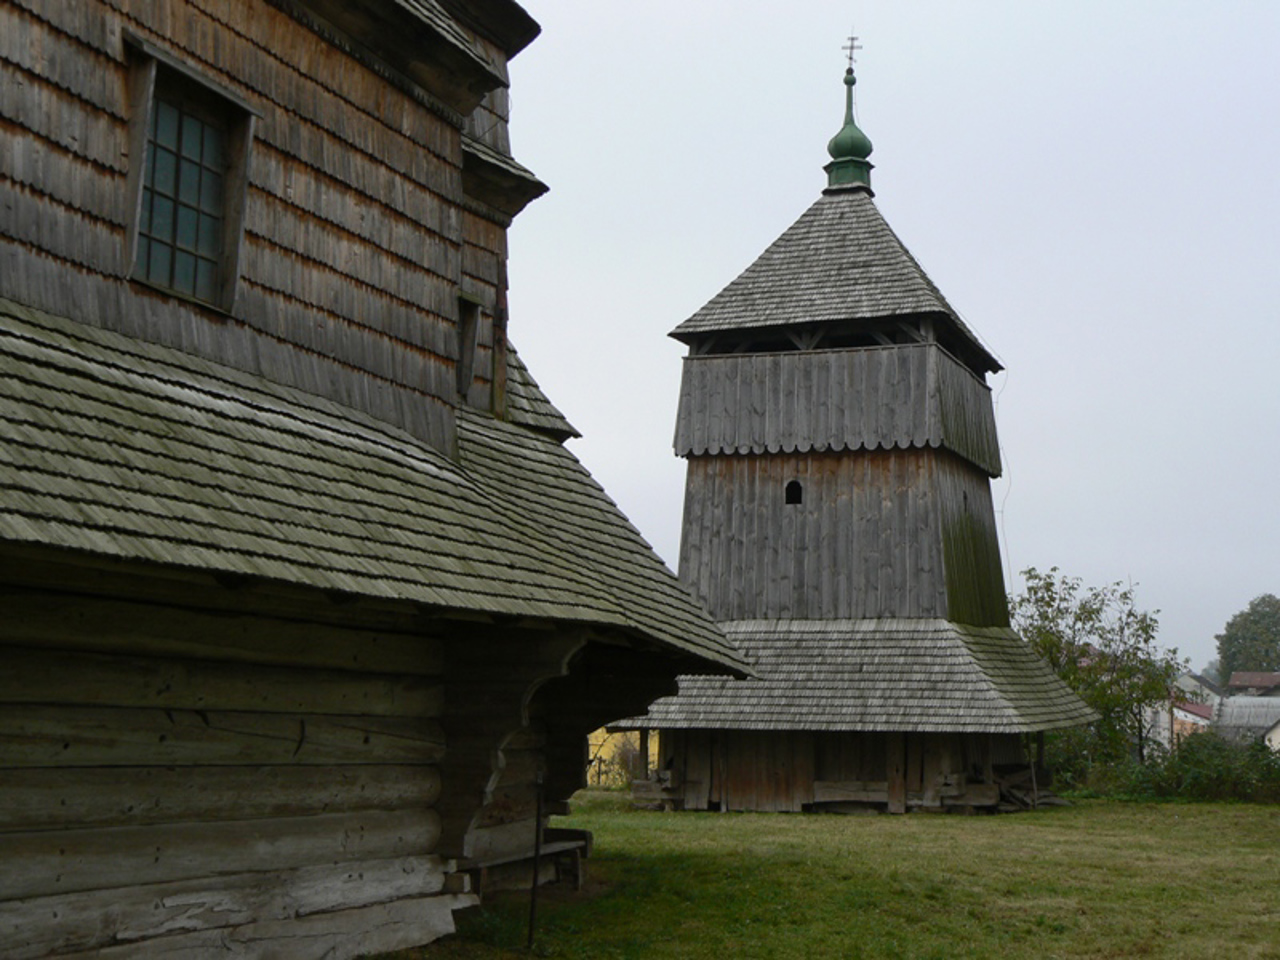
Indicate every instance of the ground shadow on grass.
{"type": "Point", "coordinates": [1098, 880]}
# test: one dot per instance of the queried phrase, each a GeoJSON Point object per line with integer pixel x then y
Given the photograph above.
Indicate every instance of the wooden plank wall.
{"type": "Point", "coordinates": [866, 541]}
{"type": "Point", "coordinates": [767, 770]}
{"type": "Point", "coordinates": [167, 792]}
{"type": "Point", "coordinates": [863, 543]}
{"type": "Point", "coordinates": [849, 756]}
{"type": "Point", "coordinates": [869, 398]}
{"type": "Point", "coordinates": [970, 546]}
{"type": "Point", "coordinates": [354, 248]}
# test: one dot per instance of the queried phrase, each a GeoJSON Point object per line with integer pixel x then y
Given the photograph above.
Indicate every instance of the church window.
{"type": "Point", "coordinates": [794, 492]}
{"type": "Point", "coordinates": [189, 188]}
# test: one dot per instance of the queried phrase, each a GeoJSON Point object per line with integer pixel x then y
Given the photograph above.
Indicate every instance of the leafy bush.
{"type": "Point", "coordinates": [1104, 648]}
{"type": "Point", "coordinates": [1203, 767]}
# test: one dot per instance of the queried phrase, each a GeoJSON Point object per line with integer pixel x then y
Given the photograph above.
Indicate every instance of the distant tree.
{"type": "Point", "coordinates": [1104, 647]}
{"type": "Point", "coordinates": [1213, 671]}
{"type": "Point", "coordinates": [1251, 639]}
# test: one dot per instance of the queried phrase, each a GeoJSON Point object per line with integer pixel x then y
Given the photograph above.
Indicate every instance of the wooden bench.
{"type": "Point", "coordinates": [563, 848]}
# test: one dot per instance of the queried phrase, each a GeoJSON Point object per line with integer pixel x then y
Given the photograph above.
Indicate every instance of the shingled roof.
{"type": "Point", "coordinates": [867, 675]}
{"type": "Point", "coordinates": [137, 451]}
{"type": "Point", "coordinates": [839, 262]}
{"type": "Point", "coordinates": [529, 406]}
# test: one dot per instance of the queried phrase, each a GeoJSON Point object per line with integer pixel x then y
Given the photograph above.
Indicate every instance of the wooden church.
{"type": "Point", "coordinates": [838, 524]}
{"type": "Point", "coordinates": [305, 609]}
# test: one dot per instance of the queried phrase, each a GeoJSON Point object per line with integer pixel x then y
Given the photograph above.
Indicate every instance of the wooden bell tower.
{"type": "Point", "coordinates": [838, 427]}
{"type": "Point", "coordinates": [838, 524]}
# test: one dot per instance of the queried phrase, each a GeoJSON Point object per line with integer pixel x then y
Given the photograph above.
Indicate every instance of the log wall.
{"type": "Point", "coordinates": [181, 797]}
{"type": "Point", "coordinates": [354, 250]}
{"type": "Point", "coordinates": [885, 533]}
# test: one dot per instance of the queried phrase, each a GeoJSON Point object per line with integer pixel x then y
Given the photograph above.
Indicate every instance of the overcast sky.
{"type": "Point", "coordinates": [1095, 187]}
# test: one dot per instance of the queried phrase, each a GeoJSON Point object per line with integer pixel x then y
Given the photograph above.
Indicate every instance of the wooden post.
{"type": "Point", "coordinates": [537, 859]}
{"type": "Point", "coordinates": [896, 772]}
{"type": "Point", "coordinates": [644, 753]}
{"type": "Point", "coordinates": [1035, 790]}
{"type": "Point", "coordinates": [718, 748]}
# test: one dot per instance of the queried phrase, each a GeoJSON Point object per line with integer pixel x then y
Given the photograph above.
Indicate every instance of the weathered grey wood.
{"type": "Point", "coordinates": [103, 918]}
{"type": "Point", "coordinates": [872, 522]}
{"type": "Point", "coordinates": [142, 85]}
{"type": "Point", "coordinates": [507, 802]}
{"type": "Point", "coordinates": [59, 117]}
{"type": "Point", "coordinates": [65, 93]}
{"type": "Point", "coordinates": [896, 772]}
{"type": "Point", "coordinates": [50, 798]}
{"type": "Point", "coordinates": [339, 935]}
{"type": "Point", "coordinates": [505, 841]}
{"type": "Point", "coordinates": [866, 791]}
{"type": "Point", "coordinates": [44, 736]}
{"type": "Point", "coordinates": [65, 178]}
{"type": "Point", "coordinates": [88, 623]}
{"type": "Point", "coordinates": [905, 396]}
{"type": "Point", "coordinates": [68, 677]}
{"type": "Point", "coordinates": [69, 861]}
{"type": "Point", "coordinates": [975, 795]}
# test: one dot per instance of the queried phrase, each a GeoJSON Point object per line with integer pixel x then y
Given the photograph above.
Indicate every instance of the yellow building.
{"type": "Point", "coordinates": [614, 759]}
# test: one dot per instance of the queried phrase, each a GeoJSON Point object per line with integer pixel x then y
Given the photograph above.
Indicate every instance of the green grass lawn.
{"type": "Point", "coordinates": [1093, 880]}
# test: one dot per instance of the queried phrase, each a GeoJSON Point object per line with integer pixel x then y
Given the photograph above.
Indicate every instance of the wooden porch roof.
{"type": "Point", "coordinates": [136, 451]}
{"type": "Point", "coordinates": [875, 675]}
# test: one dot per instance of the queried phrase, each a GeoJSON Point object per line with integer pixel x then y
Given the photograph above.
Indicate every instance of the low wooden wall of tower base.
{"type": "Point", "coordinates": [793, 771]}
{"type": "Point", "coordinates": [192, 783]}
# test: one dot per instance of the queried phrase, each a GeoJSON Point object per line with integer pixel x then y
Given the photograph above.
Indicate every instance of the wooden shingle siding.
{"type": "Point", "coordinates": [529, 406]}
{"type": "Point", "coordinates": [871, 398]}
{"type": "Point", "coordinates": [64, 232]}
{"type": "Point", "coordinates": [33, 103]}
{"type": "Point", "coordinates": [354, 242]}
{"type": "Point", "coordinates": [40, 166]}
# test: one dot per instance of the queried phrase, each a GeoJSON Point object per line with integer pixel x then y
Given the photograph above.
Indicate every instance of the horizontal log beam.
{"type": "Point", "coordinates": [41, 736]}
{"type": "Point", "coordinates": [67, 861]}
{"type": "Point", "coordinates": [340, 935]}
{"type": "Point", "coordinates": [60, 621]}
{"type": "Point", "coordinates": [92, 919]}
{"type": "Point", "coordinates": [860, 791]}
{"type": "Point", "coordinates": [71, 677]}
{"type": "Point", "coordinates": [51, 798]}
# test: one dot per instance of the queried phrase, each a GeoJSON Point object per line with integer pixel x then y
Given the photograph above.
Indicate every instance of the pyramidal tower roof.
{"type": "Point", "coordinates": [840, 263]}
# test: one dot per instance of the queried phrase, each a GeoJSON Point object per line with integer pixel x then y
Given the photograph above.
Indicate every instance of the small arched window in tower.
{"type": "Point", "coordinates": [794, 492]}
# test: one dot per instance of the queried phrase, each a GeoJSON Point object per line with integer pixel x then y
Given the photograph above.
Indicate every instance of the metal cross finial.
{"type": "Point", "coordinates": [852, 47]}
